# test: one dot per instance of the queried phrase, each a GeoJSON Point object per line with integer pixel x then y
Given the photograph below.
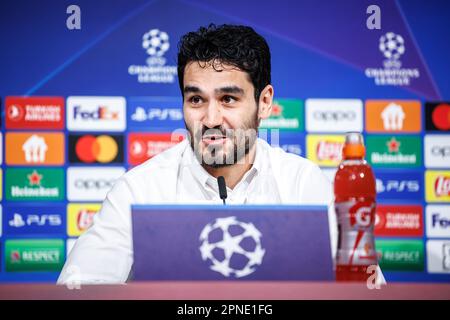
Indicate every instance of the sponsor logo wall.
{"type": "Point", "coordinates": [63, 154]}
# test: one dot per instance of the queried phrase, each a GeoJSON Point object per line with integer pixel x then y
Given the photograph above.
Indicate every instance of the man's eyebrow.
{"type": "Point", "coordinates": [191, 89]}
{"type": "Point", "coordinates": [230, 89]}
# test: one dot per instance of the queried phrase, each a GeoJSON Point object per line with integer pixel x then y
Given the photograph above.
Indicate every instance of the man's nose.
{"type": "Point", "coordinates": [213, 116]}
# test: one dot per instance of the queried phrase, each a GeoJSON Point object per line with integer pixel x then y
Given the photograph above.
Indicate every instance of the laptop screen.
{"type": "Point", "coordinates": [203, 242]}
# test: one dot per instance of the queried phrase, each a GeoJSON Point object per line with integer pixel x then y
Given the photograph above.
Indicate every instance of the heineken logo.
{"type": "Point", "coordinates": [287, 114]}
{"type": "Point", "coordinates": [393, 145]}
{"type": "Point", "coordinates": [394, 151]}
{"type": "Point", "coordinates": [34, 184]}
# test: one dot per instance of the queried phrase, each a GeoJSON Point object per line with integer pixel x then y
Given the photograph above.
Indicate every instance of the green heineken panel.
{"type": "Point", "coordinates": [400, 255]}
{"type": "Point", "coordinates": [35, 184]}
{"type": "Point", "coordinates": [394, 151]}
{"type": "Point", "coordinates": [287, 115]}
{"type": "Point", "coordinates": [28, 255]}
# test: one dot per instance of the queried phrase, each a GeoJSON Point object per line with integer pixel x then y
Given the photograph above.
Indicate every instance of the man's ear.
{"type": "Point", "coordinates": [265, 102]}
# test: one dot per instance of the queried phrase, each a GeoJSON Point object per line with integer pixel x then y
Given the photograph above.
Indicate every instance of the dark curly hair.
{"type": "Point", "coordinates": [239, 46]}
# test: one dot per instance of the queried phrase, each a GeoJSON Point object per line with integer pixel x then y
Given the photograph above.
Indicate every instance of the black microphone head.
{"type": "Point", "coordinates": [222, 187]}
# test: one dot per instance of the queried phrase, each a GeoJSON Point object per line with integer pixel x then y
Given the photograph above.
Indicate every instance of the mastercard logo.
{"type": "Point", "coordinates": [96, 149]}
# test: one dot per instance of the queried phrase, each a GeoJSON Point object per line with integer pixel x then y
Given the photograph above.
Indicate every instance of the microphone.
{"type": "Point", "coordinates": [222, 188]}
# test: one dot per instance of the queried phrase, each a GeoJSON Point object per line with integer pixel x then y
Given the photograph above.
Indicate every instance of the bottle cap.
{"type": "Point", "coordinates": [354, 146]}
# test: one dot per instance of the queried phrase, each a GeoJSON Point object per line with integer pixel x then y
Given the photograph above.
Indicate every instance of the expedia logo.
{"type": "Point", "coordinates": [333, 115]}
{"type": "Point", "coordinates": [96, 113]}
{"type": "Point", "coordinates": [101, 149]}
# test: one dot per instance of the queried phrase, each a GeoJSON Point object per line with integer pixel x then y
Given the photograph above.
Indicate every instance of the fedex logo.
{"type": "Point", "coordinates": [438, 221]}
{"type": "Point", "coordinates": [86, 113]}
{"type": "Point", "coordinates": [158, 114]}
{"type": "Point", "coordinates": [34, 220]}
{"type": "Point", "coordinates": [101, 113]}
{"type": "Point", "coordinates": [394, 185]}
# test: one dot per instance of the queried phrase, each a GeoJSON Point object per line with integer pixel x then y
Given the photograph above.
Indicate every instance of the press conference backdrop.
{"type": "Point", "coordinates": [82, 106]}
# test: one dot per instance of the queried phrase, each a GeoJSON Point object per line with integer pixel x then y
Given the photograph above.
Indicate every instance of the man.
{"type": "Point", "coordinates": [225, 80]}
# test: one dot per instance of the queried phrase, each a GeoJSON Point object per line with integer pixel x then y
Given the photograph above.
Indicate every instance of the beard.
{"type": "Point", "coordinates": [238, 142]}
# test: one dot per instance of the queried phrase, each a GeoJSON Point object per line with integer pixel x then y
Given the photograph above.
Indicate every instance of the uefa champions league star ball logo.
{"type": "Point", "coordinates": [232, 247]}
{"type": "Point", "coordinates": [392, 45]}
{"type": "Point", "coordinates": [155, 42]}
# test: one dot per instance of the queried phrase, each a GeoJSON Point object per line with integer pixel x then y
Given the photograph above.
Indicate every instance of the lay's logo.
{"type": "Point", "coordinates": [325, 150]}
{"type": "Point", "coordinates": [437, 186]}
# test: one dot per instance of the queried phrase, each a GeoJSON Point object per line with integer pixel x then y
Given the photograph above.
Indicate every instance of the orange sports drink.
{"type": "Point", "coordinates": [355, 203]}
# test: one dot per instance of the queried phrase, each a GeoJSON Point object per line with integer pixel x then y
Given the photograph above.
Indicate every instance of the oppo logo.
{"type": "Point", "coordinates": [440, 151]}
{"type": "Point", "coordinates": [89, 184]}
{"type": "Point", "coordinates": [334, 115]}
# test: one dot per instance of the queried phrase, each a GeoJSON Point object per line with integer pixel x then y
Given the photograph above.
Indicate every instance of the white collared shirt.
{"type": "Point", "coordinates": [104, 253]}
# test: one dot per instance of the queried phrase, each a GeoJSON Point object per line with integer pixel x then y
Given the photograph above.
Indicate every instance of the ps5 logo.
{"type": "Point", "coordinates": [18, 221]}
{"type": "Point", "coordinates": [397, 186]}
{"type": "Point", "coordinates": [173, 114]}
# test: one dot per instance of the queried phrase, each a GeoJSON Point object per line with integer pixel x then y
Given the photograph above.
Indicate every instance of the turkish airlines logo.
{"type": "Point", "coordinates": [15, 113]}
{"type": "Point", "coordinates": [145, 146]}
{"type": "Point", "coordinates": [101, 149]}
{"type": "Point", "coordinates": [35, 148]}
{"type": "Point", "coordinates": [333, 115]}
{"type": "Point", "coordinates": [96, 114]}
{"type": "Point", "coordinates": [34, 113]}
{"type": "Point", "coordinates": [92, 183]}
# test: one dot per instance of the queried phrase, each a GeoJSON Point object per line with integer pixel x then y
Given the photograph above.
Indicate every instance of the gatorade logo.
{"type": "Point", "coordinates": [362, 214]}
{"type": "Point", "coordinates": [101, 149]}
{"type": "Point", "coordinates": [437, 116]}
{"type": "Point", "coordinates": [393, 116]}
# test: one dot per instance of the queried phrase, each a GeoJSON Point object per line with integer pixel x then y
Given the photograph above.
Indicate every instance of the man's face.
{"type": "Point", "coordinates": [220, 113]}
